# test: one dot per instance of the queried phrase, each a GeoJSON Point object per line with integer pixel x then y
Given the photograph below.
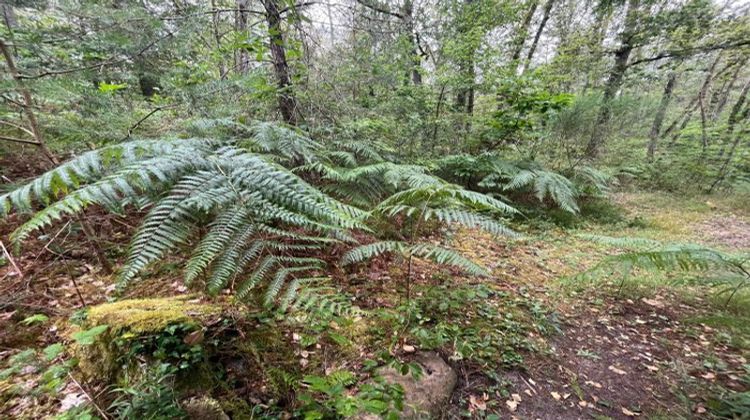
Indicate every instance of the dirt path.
{"type": "Point", "coordinates": [618, 357]}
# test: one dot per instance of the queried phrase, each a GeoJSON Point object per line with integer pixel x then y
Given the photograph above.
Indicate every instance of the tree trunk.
{"type": "Point", "coordinates": [465, 95]}
{"type": "Point", "coordinates": [241, 57]}
{"type": "Point", "coordinates": [407, 13]}
{"type": "Point", "coordinates": [724, 170]}
{"type": "Point", "coordinates": [27, 104]}
{"type": "Point", "coordinates": [659, 117]}
{"type": "Point", "coordinates": [286, 98]}
{"type": "Point", "coordinates": [614, 81]}
{"type": "Point", "coordinates": [694, 104]}
{"type": "Point", "coordinates": [36, 133]}
{"type": "Point", "coordinates": [723, 96]}
{"type": "Point", "coordinates": [523, 31]}
{"type": "Point", "coordinates": [539, 31]}
{"type": "Point", "coordinates": [734, 114]}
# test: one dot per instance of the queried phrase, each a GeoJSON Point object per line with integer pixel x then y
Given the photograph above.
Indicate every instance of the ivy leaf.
{"type": "Point", "coordinates": [87, 338]}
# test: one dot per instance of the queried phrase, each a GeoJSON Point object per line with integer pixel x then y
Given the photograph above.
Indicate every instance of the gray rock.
{"type": "Point", "coordinates": [424, 397]}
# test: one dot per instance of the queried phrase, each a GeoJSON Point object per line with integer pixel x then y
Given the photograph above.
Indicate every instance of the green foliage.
{"type": "Point", "coordinates": [378, 397]}
{"type": "Point", "coordinates": [727, 272]}
{"type": "Point", "coordinates": [35, 319]}
{"type": "Point", "coordinates": [151, 396]}
{"type": "Point", "coordinates": [497, 175]}
{"type": "Point", "coordinates": [732, 404]}
{"type": "Point", "coordinates": [88, 337]}
{"type": "Point", "coordinates": [240, 194]}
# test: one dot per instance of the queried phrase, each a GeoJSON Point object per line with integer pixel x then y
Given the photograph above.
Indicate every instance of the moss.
{"type": "Point", "coordinates": [131, 319]}
{"type": "Point", "coordinates": [143, 316]}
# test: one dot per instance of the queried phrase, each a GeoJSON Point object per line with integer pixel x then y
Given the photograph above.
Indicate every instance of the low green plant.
{"type": "Point", "coordinates": [328, 397]}
{"type": "Point", "coordinates": [151, 395]}
{"type": "Point", "coordinates": [728, 273]}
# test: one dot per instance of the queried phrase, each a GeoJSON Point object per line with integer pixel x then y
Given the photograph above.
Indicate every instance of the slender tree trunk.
{"type": "Point", "coordinates": [614, 81]}
{"type": "Point", "coordinates": [407, 13]}
{"type": "Point", "coordinates": [725, 169]}
{"type": "Point", "coordinates": [286, 98]}
{"type": "Point", "coordinates": [523, 31]}
{"type": "Point", "coordinates": [539, 31]}
{"type": "Point", "coordinates": [465, 95]}
{"type": "Point", "coordinates": [36, 133]}
{"type": "Point", "coordinates": [659, 117]}
{"type": "Point", "coordinates": [241, 58]}
{"type": "Point", "coordinates": [27, 104]}
{"type": "Point", "coordinates": [694, 104]}
{"type": "Point", "coordinates": [723, 98]}
{"type": "Point", "coordinates": [734, 114]}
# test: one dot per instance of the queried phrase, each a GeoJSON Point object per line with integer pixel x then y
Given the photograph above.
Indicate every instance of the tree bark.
{"type": "Point", "coordinates": [724, 170]}
{"type": "Point", "coordinates": [659, 117]}
{"type": "Point", "coordinates": [241, 61]}
{"type": "Point", "coordinates": [287, 100]}
{"type": "Point", "coordinates": [734, 114]}
{"type": "Point", "coordinates": [407, 13]}
{"type": "Point", "coordinates": [523, 31]}
{"type": "Point", "coordinates": [694, 104]}
{"type": "Point", "coordinates": [614, 81]}
{"type": "Point", "coordinates": [539, 31]}
{"type": "Point", "coordinates": [465, 95]}
{"type": "Point", "coordinates": [723, 94]}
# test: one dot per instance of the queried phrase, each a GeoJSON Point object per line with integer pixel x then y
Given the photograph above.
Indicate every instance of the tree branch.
{"type": "Point", "coordinates": [379, 8]}
{"type": "Point", "coordinates": [17, 140]}
{"type": "Point", "coordinates": [688, 51]}
{"type": "Point", "coordinates": [99, 64]}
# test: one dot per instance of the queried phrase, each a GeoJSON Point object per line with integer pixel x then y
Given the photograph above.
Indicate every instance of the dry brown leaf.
{"type": "Point", "coordinates": [629, 413]}
{"type": "Point", "coordinates": [617, 371]}
{"type": "Point", "coordinates": [512, 405]}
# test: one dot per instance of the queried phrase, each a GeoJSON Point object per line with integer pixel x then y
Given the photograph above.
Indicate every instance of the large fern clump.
{"type": "Point", "coordinates": [257, 212]}
{"type": "Point", "coordinates": [258, 208]}
{"type": "Point", "coordinates": [495, 174]}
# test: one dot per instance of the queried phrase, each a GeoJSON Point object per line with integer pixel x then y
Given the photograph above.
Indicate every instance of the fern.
{"type": "Point", "coordinates": [729, 272]}
{"type": "Point", "coordinates": [490, 172]}
{"type": "Point", "coordinates": [250, 204]}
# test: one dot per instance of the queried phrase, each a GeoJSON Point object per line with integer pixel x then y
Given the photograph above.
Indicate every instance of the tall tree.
{"type": "Point", "coordinates": [666, 97]}
{"type": "Point", "coordinates": [615, 78]}
{"type": "Point", "coordinates": [286, 97]}
{"type": "Point", "coordinates": [545, 17]}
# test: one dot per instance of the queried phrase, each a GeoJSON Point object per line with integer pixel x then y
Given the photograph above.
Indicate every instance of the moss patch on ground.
{"type": "Point", "coordinates": [141, 316]}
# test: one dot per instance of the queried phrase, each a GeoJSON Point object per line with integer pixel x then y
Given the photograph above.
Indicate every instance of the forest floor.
{"type": "Point", "coordinates": [595, 350]}
{"type": "Point", "coordinates": [647, 349]}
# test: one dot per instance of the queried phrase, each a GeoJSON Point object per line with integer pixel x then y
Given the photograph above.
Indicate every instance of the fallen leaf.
{"type": "Point", "coordinates": [512, 405]}
{"type": "Point", "coordinates": [629, 413]}
{"type": "Point", "coordinates": [617, 371]}
{"type": "Point", "coordinates": [477, 403]}
{"type": "Point", "coordinates": [555, 395]}
{"type": "Point", "coordinates": [709, 376]}
{"type": "Point", "coordinates": [594, 384]}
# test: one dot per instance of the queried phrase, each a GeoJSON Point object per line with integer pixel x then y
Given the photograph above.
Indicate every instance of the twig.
{"type": "Point", "coordinates": [10, 259]}
{"type": "Point", "coordinates": [17, 140]}
{"type": "Point", "coordinates": [99, 409]}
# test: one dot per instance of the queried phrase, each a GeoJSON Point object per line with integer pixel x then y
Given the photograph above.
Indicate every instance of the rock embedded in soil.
{"type": "Point", "coordinates": [426, 396]}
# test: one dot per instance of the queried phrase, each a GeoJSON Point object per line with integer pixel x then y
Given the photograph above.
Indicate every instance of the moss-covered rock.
{"type": "Point", "coordinates": [136, 321]}
{"type": "Point", "coordinates": [143, 316]}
